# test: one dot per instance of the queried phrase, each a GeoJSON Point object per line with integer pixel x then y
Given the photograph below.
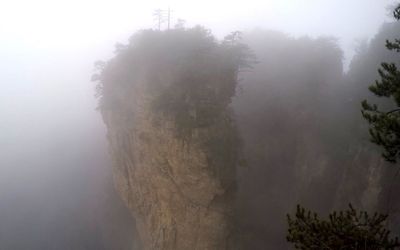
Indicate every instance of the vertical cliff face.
{"type": "Point", "coordinates": [303, 140]}
{"type": "Point", "coordinates": [165, 100]}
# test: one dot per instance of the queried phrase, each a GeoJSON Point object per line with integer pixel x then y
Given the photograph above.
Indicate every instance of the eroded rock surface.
{"type": "Point", "coordinates": [174, 162]}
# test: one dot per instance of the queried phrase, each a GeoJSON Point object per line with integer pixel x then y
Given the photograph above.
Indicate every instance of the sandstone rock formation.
{"type": "Point", "coordinates": [165, 101]}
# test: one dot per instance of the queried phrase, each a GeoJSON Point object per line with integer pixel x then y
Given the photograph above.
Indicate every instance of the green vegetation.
{"type": "Point", "coordinates": [385, 125]}
{"type": "Point", "coordinates": [351, 229]}
{"type": "Point", "coordinates": [187, 79]}
{"type": "Point", "coordinates": [347, 229]}
{"type": "Point", "coordinates": [190, 76]}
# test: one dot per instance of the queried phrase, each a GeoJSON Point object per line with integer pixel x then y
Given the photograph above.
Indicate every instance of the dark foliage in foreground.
{"type": "Point", "coordinates": [348, 229]}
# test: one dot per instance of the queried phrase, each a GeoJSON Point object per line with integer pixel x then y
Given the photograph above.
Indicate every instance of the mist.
{"type": "Point", "coordinates": [297, 111]}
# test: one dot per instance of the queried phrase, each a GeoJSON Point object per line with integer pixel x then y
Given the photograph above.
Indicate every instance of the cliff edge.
{"type": "Point", "coordinates": [165, 100]}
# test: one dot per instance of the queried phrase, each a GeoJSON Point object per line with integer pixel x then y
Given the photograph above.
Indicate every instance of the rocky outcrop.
{"type": "Point", "coordinates": [176, 177]}
{"type": "Point", "coordinates": [175, 196]}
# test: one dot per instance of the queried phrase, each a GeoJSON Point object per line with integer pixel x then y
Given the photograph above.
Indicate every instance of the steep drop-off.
{"type": "Point", "coordinates": [304, 138]}
{"type": "Point", "coordinates": [165, 101]}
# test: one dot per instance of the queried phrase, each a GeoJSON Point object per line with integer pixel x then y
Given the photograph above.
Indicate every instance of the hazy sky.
{"type": "Point", "coordinates": [47, 24]}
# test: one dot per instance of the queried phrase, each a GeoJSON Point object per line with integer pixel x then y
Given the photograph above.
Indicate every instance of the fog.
{"type": "Point", "coordinates": [56, 188]}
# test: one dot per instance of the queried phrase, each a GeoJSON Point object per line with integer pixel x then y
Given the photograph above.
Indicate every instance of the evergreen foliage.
{"type": "Point", "coordinates": [385, 125]}
{"type": "Point", "coordinates": [187, 78]}
{"type": "Point", "coordinates": [190, 76]}
{"type": "Point", "coordinates": [346, 229]}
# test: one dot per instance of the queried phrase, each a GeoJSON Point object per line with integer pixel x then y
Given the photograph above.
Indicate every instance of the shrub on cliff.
{"type": "Point", "coordinates": [190, 76]}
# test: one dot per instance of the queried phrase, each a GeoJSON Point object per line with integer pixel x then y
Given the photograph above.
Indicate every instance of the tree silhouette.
{"type": "Point", "coordinates": [346, 229]}
{"type": "Point", "coordinates": [385, 125]}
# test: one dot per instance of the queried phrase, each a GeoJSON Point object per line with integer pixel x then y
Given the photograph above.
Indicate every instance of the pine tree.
{"type": "Point", "coordinates": [352, 229]}
{"type": "Point", "coordinates": [347, 229]}
{"type": "Point", "coordinates": [385, 125]}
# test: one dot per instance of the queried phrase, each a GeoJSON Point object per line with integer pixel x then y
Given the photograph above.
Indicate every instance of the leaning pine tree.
{"type": "Point", "coordinates": [385, 125]}
{"type": "Point", "coordinates": [351, 229]}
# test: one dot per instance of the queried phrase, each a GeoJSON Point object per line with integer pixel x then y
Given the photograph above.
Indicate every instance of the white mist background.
{"type": "Point", "coordinates": [50, 132]}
